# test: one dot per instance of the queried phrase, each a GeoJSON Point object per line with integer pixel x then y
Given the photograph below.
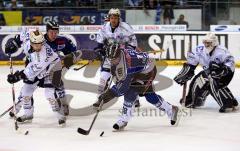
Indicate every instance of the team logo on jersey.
{"type": "Point", "coordinates": [61, 46]}
{"type": "Point", "coordinates": [120, 72]}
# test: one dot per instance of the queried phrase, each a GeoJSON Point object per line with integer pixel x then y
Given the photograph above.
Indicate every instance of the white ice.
{"type": "Point", "coordinates": [204, 130]}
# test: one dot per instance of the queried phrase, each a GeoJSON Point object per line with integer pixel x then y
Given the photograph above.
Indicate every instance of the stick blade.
{"type": "Point", "coordinates": [82, 131]}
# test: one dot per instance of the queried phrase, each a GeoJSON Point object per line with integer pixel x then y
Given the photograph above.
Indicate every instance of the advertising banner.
{"type": "Point", "coordinates": [175, 45]}
{"type": "Point", "coordinates": [225, 28]}
{"type": "Point", "coordinates": [66, 16]}
{"type": "Point", "coordinates": [10, 18]}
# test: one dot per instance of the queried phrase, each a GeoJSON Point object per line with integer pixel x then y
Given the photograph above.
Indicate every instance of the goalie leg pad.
{"type": "Point", "coordinates": [198, 91]}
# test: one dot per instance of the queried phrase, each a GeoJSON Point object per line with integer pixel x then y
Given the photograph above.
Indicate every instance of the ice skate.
{"type": "Point", "coordinates": [120, 125]}
{"type": "Point", "coordinates": [62, 122]}
{"type": "Point", "coordinates": [176, 114]}
{"type": "Point", "coordinates": [137, 104]}
{"type": "Point", "coordinates": [61, 119]}
{"type": "Point", "coordinates": [25, 119]}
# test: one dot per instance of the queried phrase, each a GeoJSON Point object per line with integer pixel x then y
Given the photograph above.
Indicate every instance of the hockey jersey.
{"type": "Point", "coordinates": [122, 34]}
{"type": "Point", "coordinates": [131, 64]}
{"type": "Point", "coordinates": [41, 63]}
{"type": "Point", "coordinates": [60, 44]}
{"type": "Point", "coordinates": [220, 54]}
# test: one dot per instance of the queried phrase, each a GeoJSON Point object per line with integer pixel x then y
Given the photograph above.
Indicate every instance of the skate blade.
{"type": "Point", "coordinates": [25, 122]}
{"type": "Point", "coordinates": [62, 125]}
{"type": "Point", "coordinates": [120, 130]}
{"type": "Point", "coordinates": [179, 116]}
{"type": "Point", "coordinates": [235, 108]}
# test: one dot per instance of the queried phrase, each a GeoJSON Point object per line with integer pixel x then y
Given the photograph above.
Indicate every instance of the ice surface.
{"type": "Point", "coordinates": [204, 130]}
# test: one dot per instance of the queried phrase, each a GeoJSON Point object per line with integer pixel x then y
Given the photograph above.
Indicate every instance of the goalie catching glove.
{"type": "Point", "coordinates": [218, 70]}
{"type": "Point", "coordinates": [185, 74]}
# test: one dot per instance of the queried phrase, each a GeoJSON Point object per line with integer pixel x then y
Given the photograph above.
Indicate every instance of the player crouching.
{"type": "Point", "coordinates": [44, 69]}
{"type": "Point", "coordinates": [134, 73]}
{"type": "Point", "coordinates": [218, 65]}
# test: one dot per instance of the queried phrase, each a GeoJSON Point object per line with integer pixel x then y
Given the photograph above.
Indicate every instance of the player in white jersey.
{"type": "Point", "coordinates": [218, 65]}
{"type": "Point", "coordinates": [52, 39]}
{"type": "Point", "coordinates": [43, 69]}
{"type": "Point", "coordinates": [113, 31]}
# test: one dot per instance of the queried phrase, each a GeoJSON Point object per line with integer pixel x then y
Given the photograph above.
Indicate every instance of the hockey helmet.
{"type": "Point", "coordinates": [52, 25]}
{"type": "Point", "coordinates": [36, 37]}
{"type": "Point", "coordinates": [114, 11]}
{"type": "Point", "coordinates": [210, 41]}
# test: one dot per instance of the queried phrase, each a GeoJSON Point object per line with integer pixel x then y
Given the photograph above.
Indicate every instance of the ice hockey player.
{"type": "Point", "coordinates": [113, 30]}
{"type": "Point", "coordinates": [56, 42]}
{"type": "Point", "coordinates": [218, 70]}
{"type": "Point", "coordinates": [43, 69]}
{"type": "Point", "coordinates": [134, 73]}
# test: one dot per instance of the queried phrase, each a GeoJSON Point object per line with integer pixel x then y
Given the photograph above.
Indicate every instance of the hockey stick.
{"type": "Point", "coordinates": [153, 52]}
{"type": "Point", "coordinates": [76, 69]}
{"type": "Point", "coordinates": [86, 132]}
{"type": "Point", "coordinates": [13, 95]}
{"type": "Point", "coordinates": [9, 109]}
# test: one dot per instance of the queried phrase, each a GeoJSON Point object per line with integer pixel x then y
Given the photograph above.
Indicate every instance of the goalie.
{"type": "Point", "coordinates": [218, 65]}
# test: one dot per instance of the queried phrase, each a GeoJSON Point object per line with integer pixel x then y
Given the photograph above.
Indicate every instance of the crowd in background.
{"type": "Point", "coordinates": [212, 12]}
{"type": "Point", "coordinates": [18, 4]}
{"type": "Point", "coordinates": [148, 4]}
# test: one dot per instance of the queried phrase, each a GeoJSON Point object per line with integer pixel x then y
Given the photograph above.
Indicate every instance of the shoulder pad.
{"type": "Point", "coordinates": [220, 47]}
{"type": "Point", "coordinates": [126, 26]}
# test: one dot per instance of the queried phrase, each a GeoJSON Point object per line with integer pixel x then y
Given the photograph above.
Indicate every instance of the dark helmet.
{"type": "Point", "coordinates": [52, 25]}
{"type": "Point", "coordinates": [113, 51]}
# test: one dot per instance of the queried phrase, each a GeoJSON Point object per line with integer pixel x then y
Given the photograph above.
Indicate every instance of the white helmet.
{"type": "Point", "coordinates": [114, 11]}
{"type": "Point", "coordinates": [211, 38]}
{"type": "Point", "coordinates": [36, 37]}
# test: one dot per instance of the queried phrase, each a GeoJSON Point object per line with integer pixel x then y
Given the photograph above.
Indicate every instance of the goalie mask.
{"type": "Point", "coordinates": [210, 41]}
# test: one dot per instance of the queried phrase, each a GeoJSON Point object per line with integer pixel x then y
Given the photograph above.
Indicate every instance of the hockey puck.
{"type": "Point", "coordinates": [26, 133]}
{"type": "Point", "coordinates": [102, 134]}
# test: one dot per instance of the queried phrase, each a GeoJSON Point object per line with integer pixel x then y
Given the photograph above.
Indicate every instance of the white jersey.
{"type": "Point", "coordinates": [41, 63]}
{"type": "Point", "coordinates": [122, 34]}
{"type": "Point", "coordinates": [220, 54]}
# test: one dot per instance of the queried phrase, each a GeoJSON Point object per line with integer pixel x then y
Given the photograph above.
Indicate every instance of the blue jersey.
{"type": "Point", "coordinates": [61, 44]}
{"type": "Point", "coordinates": [133, 66]}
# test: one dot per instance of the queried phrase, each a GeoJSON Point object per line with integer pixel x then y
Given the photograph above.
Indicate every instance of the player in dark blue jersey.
{"type": "Point", "coordinates": [134, 73]}
{"type": "Point", "coordinates": [56, 42]}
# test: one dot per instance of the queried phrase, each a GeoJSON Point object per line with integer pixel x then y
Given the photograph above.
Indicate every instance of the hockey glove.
{"type": "Point", "coordinates": [12, 45]}
{"type": "Point", "coordinates": [185, 74]}
{"type": "Point", "coordinates": [68, 60]}
{"type": "Point", "coordinates": [107, 96]}
{"type": "Point", "coordinates": [218, 70]}
{"type": "Point", "coordinates": [17, 76]}
{"type": "Point", "coordinates": [72, 58]}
